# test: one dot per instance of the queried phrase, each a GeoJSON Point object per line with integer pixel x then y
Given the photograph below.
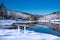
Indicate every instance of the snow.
{"type": "Point", "coordinates": [12, 34]}
{"type": "Point", "coordinates": [6, 22]}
